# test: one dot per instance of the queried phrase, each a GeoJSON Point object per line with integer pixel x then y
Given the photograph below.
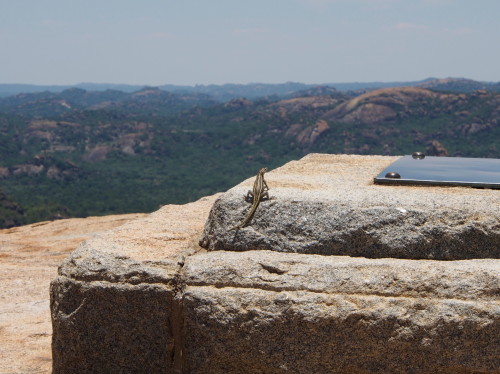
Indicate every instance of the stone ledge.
{"type": "Point", "coordinates": [266, 270]}
{"type": "Point", "coordinates": [329, 205]}
{"type": "Point", "coordinates": [113, 305]}
{"type": "Point", "coordinates": [299, 313]}
{"type": "Point", "coordinates": [144, 298]}
{"type": "Point", "coordinates": [233, 330]}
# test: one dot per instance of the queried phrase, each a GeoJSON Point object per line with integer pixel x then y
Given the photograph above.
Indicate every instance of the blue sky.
{"type": "Point", "coordinates": [191, 42]}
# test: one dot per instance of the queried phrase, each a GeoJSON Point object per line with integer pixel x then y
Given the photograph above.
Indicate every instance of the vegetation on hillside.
{"type": "Point", "coordinates": [79, 153]}
{"type": "Point", "coordinates": [11, 214]}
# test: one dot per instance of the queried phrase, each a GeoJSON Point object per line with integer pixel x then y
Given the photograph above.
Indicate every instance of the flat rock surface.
{"type": "Point", "coordinates": [29, 257]}
{"type": "Point", "coordinates": [149, 250]}
{"type": "Point", "coordinates": [460, 280]}
{"type": "Point", "coordinates": [113, 307]}
{"type": "Point", "coordinates": [329, 205]}
{"type": "Point", "coordinates": [159, 236]}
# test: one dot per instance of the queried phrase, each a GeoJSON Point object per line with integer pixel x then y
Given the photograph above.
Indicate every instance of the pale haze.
{"type": "Point", "coordinates": [188, 42]}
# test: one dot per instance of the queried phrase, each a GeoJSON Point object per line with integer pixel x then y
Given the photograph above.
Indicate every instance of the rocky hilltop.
{"type": "Point", "coordinates": [393, 306]}
{"type": "Point", "coordinates": [314, 292]}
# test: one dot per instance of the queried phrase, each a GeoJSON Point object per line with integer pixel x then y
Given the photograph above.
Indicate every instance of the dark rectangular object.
{"type": "Point", "coordinates": [443, 171]}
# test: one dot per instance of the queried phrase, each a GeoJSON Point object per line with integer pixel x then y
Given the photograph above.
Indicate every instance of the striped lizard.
{"type": "Point", "coordinates": [258, 194]}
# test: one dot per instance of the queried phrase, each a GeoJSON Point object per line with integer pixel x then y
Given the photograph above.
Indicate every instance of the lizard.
{"type": "Point", "coordinates": [259, 193]}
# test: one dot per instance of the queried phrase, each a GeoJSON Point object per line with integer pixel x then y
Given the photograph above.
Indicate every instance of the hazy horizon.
{"type": "Point", "coordinates": [162, 42]}
{"type": "Point", "coordinates": [234, 83]}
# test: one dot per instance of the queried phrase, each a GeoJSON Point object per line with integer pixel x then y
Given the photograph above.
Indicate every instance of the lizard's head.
{"type": "Point", "coordinates": [263, 170]}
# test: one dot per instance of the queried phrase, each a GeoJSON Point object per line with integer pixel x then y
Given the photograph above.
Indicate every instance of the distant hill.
{"type": "Point", "coordinates": [458, 85]}
{"type": "Point", "coordinates": [14, 89]}
{"type": "Point", "coordinates": [227, 92]}
{"type": "Point", "coordinates": [77, 153]}
{"type": "Point", "coordinates": [217, 92]}
{"type": "Point", "coordinates": [148, 99]}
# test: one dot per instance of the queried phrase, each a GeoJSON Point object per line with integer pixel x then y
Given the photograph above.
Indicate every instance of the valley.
{"type": "Point", "coordinates": [78, 153]}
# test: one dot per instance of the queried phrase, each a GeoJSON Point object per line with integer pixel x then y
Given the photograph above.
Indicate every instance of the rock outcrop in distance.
{"type": "Point", "coordinates": [79, 143]}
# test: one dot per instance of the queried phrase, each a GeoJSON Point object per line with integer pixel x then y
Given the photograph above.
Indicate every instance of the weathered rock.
{"type": "Point", "coordinates": [311, 133]}
{"type": "Point", "coordinates": [380, 105]}
{"type": "Point", "coordinates": [269, 312]}
{"type": "Point", "coordinates": [329, 205]}
{"type": "Point", "coordinates": [185, 310]}
{"type": "Point", "coordinates": [111, 327]}
{"type": "Point", "coordinates": [112, 305]}
{"type": "Point", "coordinates": [461, 280]}
{"type": "Point", "coordinates": [112, 314]}
{"type": "Point", "coordinates": [29, 257]}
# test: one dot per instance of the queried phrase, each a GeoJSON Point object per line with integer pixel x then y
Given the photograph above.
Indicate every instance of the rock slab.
{"type": "Point", "coordinates": [115, 302]}
{"type": "Point", "coordinates": [144, 298]}
{"type": "Point", "coordinates": [269, 312]}
{"type": "Point", "coordinates": [329, 205]}
{"type": "Point", "coordinates": [29, 257]}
